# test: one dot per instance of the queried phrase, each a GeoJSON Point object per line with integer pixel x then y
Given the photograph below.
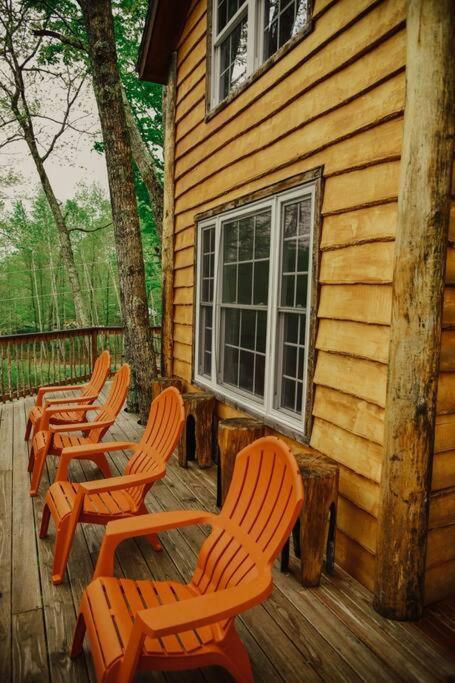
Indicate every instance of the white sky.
{"type": "Point", "coordinates": [73, 160]}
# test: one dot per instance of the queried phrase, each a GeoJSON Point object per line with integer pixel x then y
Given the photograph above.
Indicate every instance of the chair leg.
{"type": "Point", "coordinates": [79, 635]}
{"type": "Point", "coordinates": [38, 466]}
{"type": "Point", "coordinates": [151, 538]}
{"type": "Point", "coordinates": [103, 465]}
{"type": "Point", "coordinates": [45, 521]}
{"type": "Point", "coordinates": [31, 459]}
{"type": "Point", "coordinates": [236, 660]}
{"type": "Point", "coordinates": [28, 430]}
{"type": "Point", "coordinates": [63, 542]}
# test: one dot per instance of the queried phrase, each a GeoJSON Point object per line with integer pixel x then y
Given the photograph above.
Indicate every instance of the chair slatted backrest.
{"type": "Point", "coordinates": [160, 438]}
{"type": "Point", "coordinates": [115, 399]}
{"type": "Point", "coordinates": [99, 375]}
{"type": "Point", "coordinates": [257, 517]}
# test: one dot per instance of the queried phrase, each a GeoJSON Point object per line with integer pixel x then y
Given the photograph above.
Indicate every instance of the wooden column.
{"type": "Point", "coordinates": [420, 252]}
{"type": "Point", "coordinates": [167, 238]}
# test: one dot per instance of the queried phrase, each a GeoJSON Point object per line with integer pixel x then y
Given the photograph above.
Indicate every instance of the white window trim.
{"type": "Point", "coordinates": [242, 399]}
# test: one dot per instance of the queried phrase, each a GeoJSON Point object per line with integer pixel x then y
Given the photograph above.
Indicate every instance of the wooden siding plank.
{"type": "Point", "coordinates": [442, 508]}
{"type": "Point", "coordinates": [443, 470]}
{"type": "Point", "coordinates": [370, 263]}
{"type": "Point", "coordinates": [350, 413]}
{"type": "Point", "coordinates": [360, 303]}
{"type": "Point", "coordinates": [360, 455]}
{"type": "Point", "coordinates": [361, 378]}
{"type": "Point", "coordinates": [354, 339]}
{"type": "Point", "coordinates": [440, 545]}
{"type": "Point", "coordinates": [445, 433]}
{"type": "Point", "coordinates": [367, 185]}
{"type": "Point", "coordinates": [356, 227]}
{"type": "Point", "coordinates": [446, 393]}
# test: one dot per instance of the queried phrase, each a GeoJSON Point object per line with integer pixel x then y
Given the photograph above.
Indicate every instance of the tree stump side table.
{"type": "Point", "coordinates": [162, 383]}
{"type": "Point", "coordinates": [198, 433]}
{"type": "Point", "coordinates": [315, 530]}
{"type": "Point", "coordinates": [233, 435]}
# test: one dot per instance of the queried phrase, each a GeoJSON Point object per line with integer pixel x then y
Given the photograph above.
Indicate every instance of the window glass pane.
{"type": "Point", "coordinates": [233, 58]}
{"type": "Point", "coordinates": [246, 374]}
{"type": "Point", "coordinates": [226, 10]}
{"type": "Point", "coordinates": [206, 299]}
{"type": "Point", "coordinates": [245, 282]}
{"type": "Point", "coordinates": [262, 235]}
{"type": "Point", "coordinates": [230, 283]}
{"type": "Point", "coordinates": [231, 365]}
{"type": "Point", "coordinates": [295, 266]}
{"type": "Point", "coordinates": [259, 375]}
{"type": "Point", "coordinates": [261, 282]}
{"type": "Point", "coordinates": [230, 241]}
{"type": "Point", "coordinates": [246, 233]}
{"type": "Point", "coordinates": [232, 326]}
{"type": "Point", "coordinates": [283, 19]}
{"type": "Point", "coordinates": [261, 331]}
{"type": "Point", "coordinates": [287, 290]}
{"type": "Point", "coordinates": [248, 330]}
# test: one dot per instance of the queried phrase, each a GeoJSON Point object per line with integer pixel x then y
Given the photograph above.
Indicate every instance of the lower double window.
{"type": "Point", "coordinates": [254, 282]}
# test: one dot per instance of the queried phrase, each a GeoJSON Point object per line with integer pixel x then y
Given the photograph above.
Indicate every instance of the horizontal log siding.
{"type": "Point", "coordinates": [336, 100]}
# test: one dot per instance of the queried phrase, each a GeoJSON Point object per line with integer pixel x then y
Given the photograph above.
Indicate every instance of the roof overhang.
{"type": "Point", "coordinates": [163, 27]}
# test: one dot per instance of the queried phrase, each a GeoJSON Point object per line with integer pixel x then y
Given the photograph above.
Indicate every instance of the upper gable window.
{"type": "Point", "coordinates": [246, 34]}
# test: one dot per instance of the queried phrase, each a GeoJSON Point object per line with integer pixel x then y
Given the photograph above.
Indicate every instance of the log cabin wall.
{"type": "Point", "coordinates": [336, 99]}
{"type": "Point", "coordinates": [440, 576]}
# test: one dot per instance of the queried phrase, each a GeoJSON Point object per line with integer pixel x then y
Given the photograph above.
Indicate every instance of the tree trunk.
{"type": "Point", "coordinates": [144, 161]}
{"type": "Point", "coordinates": [108, 92]}
{"type": "Point", "coordinates": [418, 286]}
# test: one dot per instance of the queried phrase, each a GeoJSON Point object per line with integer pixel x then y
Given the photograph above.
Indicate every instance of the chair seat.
{"type": "Point", "coordinates": [62, 440]}
{"type": "Point", "coordinates": [65, 417]}
{"type": "Point", "coordinates": [113, 603]}
{"type": "Point", "coordinates": [61, 496]}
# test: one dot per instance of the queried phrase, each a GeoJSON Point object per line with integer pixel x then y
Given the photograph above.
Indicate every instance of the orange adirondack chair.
{"type": "Point", "coordinates": [51, 438]}
{"type": "Point", "coordinates": [99, 502]}
{"type": "Point", "coordinates": [165, 625]}
{"type": "Point", "coordinates": [89, 392]}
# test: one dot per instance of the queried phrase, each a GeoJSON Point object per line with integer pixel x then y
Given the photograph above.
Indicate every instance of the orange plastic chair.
{"type": "Point", "coordinates": [165, 625]}
{"type": "Point", "coordinates": [99, 502]}
{"type": "Point", "coordinates": [89, 392]}
{"type": "Point", "coordinates": [51, 438]}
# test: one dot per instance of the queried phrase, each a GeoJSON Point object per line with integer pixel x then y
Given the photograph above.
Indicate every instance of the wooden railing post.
{"type": "Point", "coordinates": [418, 286]}
{"type": "Point", "coordinates": [94, 346]}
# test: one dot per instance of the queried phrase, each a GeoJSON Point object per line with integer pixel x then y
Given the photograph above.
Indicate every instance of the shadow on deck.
{"type": "Point", "coordinates": [330, 633]}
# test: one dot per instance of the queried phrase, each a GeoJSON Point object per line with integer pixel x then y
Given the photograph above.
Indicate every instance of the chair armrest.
{"type": "Point", "coordinates": [49, 402]}
{"type": "Point", "coordinates": [115, 483]}
{"type": "Point", "coordinates": [201, 610]}
{"type": "Point", "coordinates": [79, 426]}
{"type": "Point", "coordinates": [74, 409]}
{"type": "Point", "coordinates": [87, 452]}
{"type": "Point", "coordinates": [143, 525]}
{"type": "Point", "coordinates": [51, 390]}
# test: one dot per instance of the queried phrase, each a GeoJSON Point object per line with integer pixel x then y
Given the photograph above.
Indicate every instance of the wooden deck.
{"type": "Point", "coordinates": [329, 634]}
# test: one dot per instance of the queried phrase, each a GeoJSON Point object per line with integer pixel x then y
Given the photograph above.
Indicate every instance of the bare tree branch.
{"type": "Point", "coordinates": [101, 227]}
{"type": "Point", "coordinates": [64, 39]}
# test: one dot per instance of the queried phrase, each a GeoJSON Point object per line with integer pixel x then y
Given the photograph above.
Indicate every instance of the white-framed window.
{"type": "Point", "coordinates": [253, 301]}
{"type": "Point", "coordinates": [245, 33]}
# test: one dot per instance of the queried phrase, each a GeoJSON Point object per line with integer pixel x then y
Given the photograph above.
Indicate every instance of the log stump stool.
{"type": "Point", "coordinates": [162, 383]}
{"type": "Point", "coordinates": [233, 435]}
{"type": "Point", "coordinates": [198, 432]}
{"type": "Point", "coordinates": [315, 530]}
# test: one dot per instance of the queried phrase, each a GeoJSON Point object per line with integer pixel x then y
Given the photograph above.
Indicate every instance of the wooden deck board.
{"type": "Point", "coordinates": [325, 634]}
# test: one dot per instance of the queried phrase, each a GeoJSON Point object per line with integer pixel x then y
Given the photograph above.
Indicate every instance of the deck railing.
{"type": "Point", "coordinates": [28, 361]}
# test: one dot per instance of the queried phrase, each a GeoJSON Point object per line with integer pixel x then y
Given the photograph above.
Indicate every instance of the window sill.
{"type": "Point", "coordinates": [251, 408]}
{"type": "Point", "coordinates": [268, 64]}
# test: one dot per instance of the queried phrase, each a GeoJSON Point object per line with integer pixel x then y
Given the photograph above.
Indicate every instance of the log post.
{"type": "Point", "coordinates": [198, 434]}
{"type": "Point", "coordinates": [418, 285]}
{"type": "Point", "coordinates": [162, 383]}
{"type": "Point", "coordinates": [314, 532]}
{"type": "Point", "coordinates": [167, 237]}
{"type": "Point", "coordinates": [233, 435]}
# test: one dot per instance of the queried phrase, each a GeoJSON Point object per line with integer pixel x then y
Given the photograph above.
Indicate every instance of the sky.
{"type": "Point", "coordinates": [73, 161]}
